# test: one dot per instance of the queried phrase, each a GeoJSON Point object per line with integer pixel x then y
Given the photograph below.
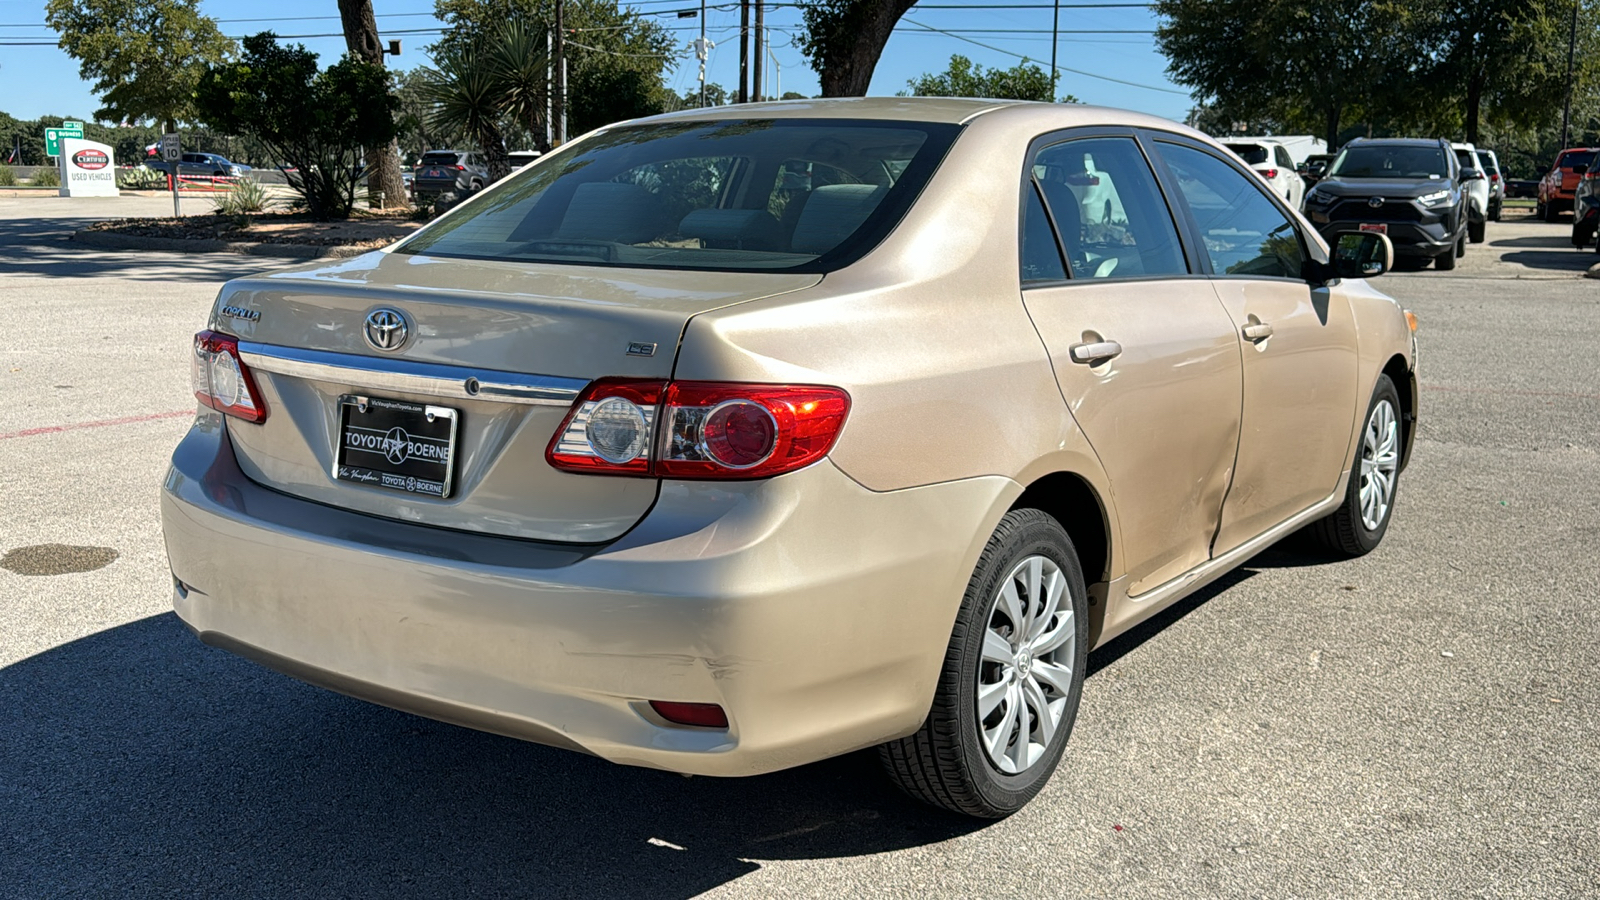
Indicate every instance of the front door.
{"type": "Point", "coordinates": [1298, 343]}
{"type": "Point", "coordinates": [1144, 353]}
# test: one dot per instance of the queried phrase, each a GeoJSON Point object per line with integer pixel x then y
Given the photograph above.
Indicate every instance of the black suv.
{"type": "Point", "coordinates": [1409, 189]}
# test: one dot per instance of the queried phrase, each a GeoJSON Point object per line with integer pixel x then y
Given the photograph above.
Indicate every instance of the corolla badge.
{"type": "Point", "coordinates": [386, 329]}
{"type": "Point", "coordinates": [1375, 202]}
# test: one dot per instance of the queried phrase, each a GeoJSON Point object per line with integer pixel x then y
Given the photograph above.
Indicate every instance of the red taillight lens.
{"type": "Point", "coordinates": [1270, 173]}
{"type": "Point", "coordinates": [461, 168]}
{"type": "Point", "coordinates": [221, 380]}
{"type": "Point", "coordinates": [701, 715]}
{"type": "Point", "coordinates": [698, 429]}
{"type": "Point", "coordinates": [1493, 177]}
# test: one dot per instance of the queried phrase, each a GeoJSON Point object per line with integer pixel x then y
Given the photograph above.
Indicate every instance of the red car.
{"type": "Point", "coordinates": [1557, 186]}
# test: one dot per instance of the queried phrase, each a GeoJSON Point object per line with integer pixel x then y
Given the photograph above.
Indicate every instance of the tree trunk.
{"type": "Point", "coordinates": [848, 68]}
{"type": "Point", "coordinates": [1332, 113]}
{"type": "Point", "coordinates": [1474, 105]}
{"type": "Point", "coordinates": [383, 163]}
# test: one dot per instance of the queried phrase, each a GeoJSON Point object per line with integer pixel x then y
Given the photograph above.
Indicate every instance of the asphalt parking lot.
{"type": "Point", "coordinates": [1422, 722]}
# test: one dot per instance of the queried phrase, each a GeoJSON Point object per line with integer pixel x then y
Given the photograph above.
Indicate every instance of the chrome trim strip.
{"type": "Point", "coordinates": [408, 376]}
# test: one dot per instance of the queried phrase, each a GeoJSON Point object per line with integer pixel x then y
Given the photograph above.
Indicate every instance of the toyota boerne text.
{"type": "Point", "coordinates": [729, 440]}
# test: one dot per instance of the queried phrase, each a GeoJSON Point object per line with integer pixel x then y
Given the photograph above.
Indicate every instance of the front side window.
{"type": "Point", "coordinates": [1244, 232]}
{"type": "Point", "coordinates": [1366, 161]}
{"type": "Point", "coordinates": [786, 194]}
{"type": "Point", "coordinates": [1108, 209]}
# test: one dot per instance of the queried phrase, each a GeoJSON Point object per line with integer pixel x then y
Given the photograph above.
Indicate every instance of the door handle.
{"type": "Point", "coordinates": [1257, 331]}
{"type": "Point", "coordinates": [1099, 351]}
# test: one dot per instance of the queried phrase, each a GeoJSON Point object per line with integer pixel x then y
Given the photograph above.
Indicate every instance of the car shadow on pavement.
{"type": "Point", "coordinates": [42, 247]}
{"type": "Point", "coordinates": [138, 762]}
{"type": "Point", "coordinates": [1552, 252]}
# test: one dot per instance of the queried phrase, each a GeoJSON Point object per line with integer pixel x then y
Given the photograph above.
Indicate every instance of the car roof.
{"type": "Point", "coordinates": [950, 110]}
{"type": "Point", "coordinates": [1396, 142]}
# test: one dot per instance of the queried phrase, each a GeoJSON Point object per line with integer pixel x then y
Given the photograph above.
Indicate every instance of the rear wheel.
{"type": "Point", "coordinates": [1358, 525]}
{"type": "Point", "coordinates": [1538, 209]}
{"type": "Point", "coordinates": [1550, 214]}
{"type": "Point", "coordinates": [1013, 674]}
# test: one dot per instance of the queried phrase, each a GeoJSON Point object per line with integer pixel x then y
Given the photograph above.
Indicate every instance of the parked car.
{"type": "Point", "coordinates": [1312, 168]}
{"type": "Point", "coordinates": [1557, 187]}
{"type": "Point", "coordinates": [1586, 210]}
{"type": "Point", "coordinates": [520, 158]}
{"type": "Point", "coordinates": [1522, 187]}
{"type": "Point", "coordinates": [442, 171]}
{"type": "Point", "coordinates": [1272, 162]}
{"type": "Point", "coordinates": [1408, 188]}
{"type": "Point", "coordinates": [1497, 183]}
{"type": "Point", "coordinates": [202, 165]}
{"type": "Point", "coordinates": [726, 440]}
{"type": "Point", "coordinates": [1475, 178]}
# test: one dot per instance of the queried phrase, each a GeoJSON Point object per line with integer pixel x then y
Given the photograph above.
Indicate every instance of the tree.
{"type": "Point", "coordinates": [844, 39]}
{"type": "Point", "coordinates": [314, 122]}
{"type": "Point", "coordinates": [615, 57]}
{"type": "Point", "coordinates": [464, 96]}
{"type": "Point", "coordinates": [144, 56]}
{"type": "Point", "coordinates": [362, 41]}
{"type": "Point", "coordinates": [1307, 64]}
{"type": "Point", "coordinates": [1023, 81]}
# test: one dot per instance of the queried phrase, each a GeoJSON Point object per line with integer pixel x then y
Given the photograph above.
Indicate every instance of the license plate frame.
{"type": "Point", "coordinates": [1373, 228]}
{"type": "Point", "coordinates": [422, 435]}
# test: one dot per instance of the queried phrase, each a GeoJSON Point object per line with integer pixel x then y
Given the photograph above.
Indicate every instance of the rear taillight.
{"type": "Point", "coordinates": [221, 380]}
{"type": "Point", "coordinates": [1494, 177]}
{"type": "Point", "coordinates": [461, 168]}
{"type": "Point", "coordinates": [1270, 173]}
{"type": "Point", "coordinates": [698, 429]}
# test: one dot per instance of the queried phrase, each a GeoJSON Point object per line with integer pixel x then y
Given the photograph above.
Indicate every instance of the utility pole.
{"type": "Point", "coordinates": [1055, 40]}
{"type": "Point", "coordinates": [744, 51]}
{"type": "Point", "coordinates": [702, 50]}
{"type": "Point", "coordinates": [1566, 108]}
{"type": "Point", "coordinates": [558, 95]}
{"type": "Point", "coordinates": [760, 54]}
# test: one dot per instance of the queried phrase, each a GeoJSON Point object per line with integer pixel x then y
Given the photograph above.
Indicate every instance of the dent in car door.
{"type": "Point", "coordinates": [1144, 355]}
{"type": "Point", "coordinates": [1298, 345]}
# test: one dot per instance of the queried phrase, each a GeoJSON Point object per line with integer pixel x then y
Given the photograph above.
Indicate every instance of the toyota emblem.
{"type": "Point", "coordinates": [1375, 202]}
{"type": "Point", "coordinates": [386, 329]}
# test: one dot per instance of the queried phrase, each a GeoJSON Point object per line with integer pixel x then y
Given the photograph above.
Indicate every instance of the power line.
{"type": "Point", "coordinates": [1148, 87]}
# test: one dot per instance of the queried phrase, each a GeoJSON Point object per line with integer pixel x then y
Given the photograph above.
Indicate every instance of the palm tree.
{"type": "Point", "coordinates": [466, 96]}
{"type": "Point", "coordinates": [518, 54]}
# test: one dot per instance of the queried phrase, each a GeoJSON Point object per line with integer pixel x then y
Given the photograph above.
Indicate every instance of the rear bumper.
{"type": "Point", "coordinates": [814, 611]}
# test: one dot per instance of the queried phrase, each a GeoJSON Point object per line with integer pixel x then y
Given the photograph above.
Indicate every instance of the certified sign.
{"type": "Point", "coordinates": [91, 159]}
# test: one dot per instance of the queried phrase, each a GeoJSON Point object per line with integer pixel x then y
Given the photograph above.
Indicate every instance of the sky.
{"type": "Point", "coordinates": [1110, 40]}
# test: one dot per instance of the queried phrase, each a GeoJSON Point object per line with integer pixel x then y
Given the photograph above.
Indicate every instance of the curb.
{"type": "Point", "coordinates": [1594, 271]}
{"type": "Point", "coordinates": [109, 241]}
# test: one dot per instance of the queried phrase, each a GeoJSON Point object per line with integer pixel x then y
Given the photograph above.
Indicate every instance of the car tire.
{"type": "Point", "coordinates": [1550, 214]}
{"type": "Point", "coordinates": [1476, 231]}
{"type": "Point", "coordinates": [953, 761]}
{"type": "Point", "coordinates": [1359, 524]}
{"type": "Point", "coordinates": [1446, 261]}
{"type": "Point", "coordinates": [1538, 209]}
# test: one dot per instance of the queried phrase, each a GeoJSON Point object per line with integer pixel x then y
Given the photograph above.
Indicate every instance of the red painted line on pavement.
{"type": "Point", "coordinates": [103, 423]}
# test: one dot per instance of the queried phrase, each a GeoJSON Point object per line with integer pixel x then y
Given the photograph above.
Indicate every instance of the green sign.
{"type": "Point", "coordinates": [53, 136]}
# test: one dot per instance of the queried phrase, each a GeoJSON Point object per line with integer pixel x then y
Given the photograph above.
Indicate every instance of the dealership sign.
{"type": "Point", "coordinates": [87, 169]}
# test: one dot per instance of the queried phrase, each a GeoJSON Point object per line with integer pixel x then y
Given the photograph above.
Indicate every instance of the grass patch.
{"type": "Point", "coordinates": [45, 176]}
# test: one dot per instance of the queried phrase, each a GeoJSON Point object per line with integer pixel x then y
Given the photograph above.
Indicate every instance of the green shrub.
{"type": "Point", "coordinates": [244, 197]}
{"type": "Point", "coordinates": [46, 176]}
{"type": "Point", "coordinates": [141, 178]}
{"type": "Point", "coordinates": [8, 176]}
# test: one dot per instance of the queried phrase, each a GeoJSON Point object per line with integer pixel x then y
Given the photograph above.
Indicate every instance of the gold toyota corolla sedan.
{"type": "Point", "coordinates": [730, 440]}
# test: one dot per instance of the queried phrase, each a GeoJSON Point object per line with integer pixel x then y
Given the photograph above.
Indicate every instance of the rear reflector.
{"type": "Point", "coordinates": [698, 429]}
{"type": "Point", "coordinates": [700, 715]}
{"type": "Point", "coordinates": [221, 380]}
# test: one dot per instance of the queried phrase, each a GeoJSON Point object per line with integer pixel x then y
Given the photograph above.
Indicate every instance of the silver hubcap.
{"type": "Point", "coordinates": [1029, 652]}
{"type": "Point", "coordinates": [1380, 461]}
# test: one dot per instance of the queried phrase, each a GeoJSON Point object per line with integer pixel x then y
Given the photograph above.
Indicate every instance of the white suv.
{"type": "Point", "coordinates": [1475, 181]}
{"type": "Point", "coordinates": [1271, 160]}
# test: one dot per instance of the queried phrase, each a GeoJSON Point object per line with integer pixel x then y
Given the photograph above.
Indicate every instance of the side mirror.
{"type": "Point", "coordinates": [1363, 255]}
{"type": "Point", "coordinates": [1471, 175]}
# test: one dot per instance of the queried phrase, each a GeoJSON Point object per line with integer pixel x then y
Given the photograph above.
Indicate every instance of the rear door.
{"type": "Point", "coordinates": [1298, 342]}
{"type": "Point", "coordinates": [1144, 353]}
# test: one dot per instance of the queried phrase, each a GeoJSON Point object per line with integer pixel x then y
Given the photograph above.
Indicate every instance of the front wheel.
{"type": "Point", "coordinates": [1359, 524]}
{"type": "Point", "coordinates": [1476, 231]}
{"type": "Point", "coordinates": [1446, 261]}
{"type": "Point", "coordinates": [1013, 674]}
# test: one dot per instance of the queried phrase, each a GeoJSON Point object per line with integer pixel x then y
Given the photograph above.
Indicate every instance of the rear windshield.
{"type": "Point", "coordinates": [1466, 159]}
{"type": "Point", "coordinates": [439, 159]}
{"type": "Point", "coordinates": [757, 194]}
{"type": "Point", "coordinates": [1254, 154]}
{"type": "Point", "coordinates": [1577, 158]}
{"type": "Point", "coordinates": [1391, 162]}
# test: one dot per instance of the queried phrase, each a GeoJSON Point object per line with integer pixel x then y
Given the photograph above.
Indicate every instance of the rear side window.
{"type": "Point", "coordinates": [1108, 209]}
{"type": "Point", "coordinates": [765, 195]}
{"type": "Point", "coordinates": [1283, 157]}
{"type": "Point", "coordinates": [1041, 258]}
{"type": "Point", "coordinates": [1244, 232]}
